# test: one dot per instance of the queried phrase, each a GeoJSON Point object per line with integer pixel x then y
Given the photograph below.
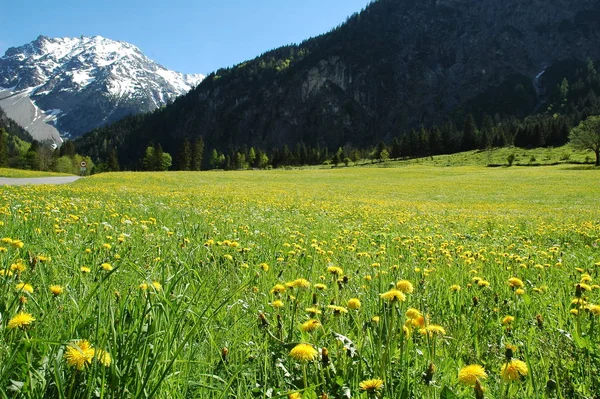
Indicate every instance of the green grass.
{"type": "Point", "coordinates": [20, 173]}
{"type": "Point", "coordinates": [216, 244]}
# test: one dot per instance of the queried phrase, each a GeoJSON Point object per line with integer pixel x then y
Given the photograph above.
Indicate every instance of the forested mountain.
{"type": "Point", "coordinates": [420, 76]}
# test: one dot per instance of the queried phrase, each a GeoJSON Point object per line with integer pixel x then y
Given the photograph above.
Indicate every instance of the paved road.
{"type": "Point", "coordinates": [38, 180]}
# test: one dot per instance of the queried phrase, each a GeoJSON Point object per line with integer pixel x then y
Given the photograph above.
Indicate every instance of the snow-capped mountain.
{"type": "Point", "coordinates": [73, 85]}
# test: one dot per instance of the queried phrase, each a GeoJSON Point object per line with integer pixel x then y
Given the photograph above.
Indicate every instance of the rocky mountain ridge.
{"type": "Point", "coordinates": [73, 85]}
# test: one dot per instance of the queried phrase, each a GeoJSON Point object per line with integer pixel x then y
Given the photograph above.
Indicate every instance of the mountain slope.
{"type": "Point", "coordinates": [78, 84]}
{"type": "Point", "coordinates": [396, 65]}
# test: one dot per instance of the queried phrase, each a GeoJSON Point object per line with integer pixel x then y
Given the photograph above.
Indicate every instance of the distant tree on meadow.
{"type": "Point", "coordinates": [586, 136]}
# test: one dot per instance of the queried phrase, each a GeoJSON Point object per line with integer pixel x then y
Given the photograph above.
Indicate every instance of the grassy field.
{"type": "Point", "coordinates": [19, 173]}
{"type": "Point", "coordinates": [332, 283]}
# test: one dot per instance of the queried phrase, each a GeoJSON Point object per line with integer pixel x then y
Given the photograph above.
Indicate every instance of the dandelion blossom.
{"type": "Point", "coordinates": [354, 304]}
{"type": "Point", "coordinates": [56, 290]}
{"type": "Point", "coordinates": [508, 320]}
{"type": "Point", "coordinates": [337, 310]}
{"type": "Point", "coordinates": [103, 357]}
{"type": "Point", "coordinates": [311, 325]}
{"type": "Point", "coordinates": [470, 374]}
{"type": "Point", "coordinates": [278, 289]}
{"type": "Point", "coordinates": [455, 287]}
{"type": "Point", "coordinates": [515, 282]}
{"type": "Point", "coordinates": [413, 313]}
{"type": "Point", "coordinates": [304, 352]}
{"type": "Point", "coordinates": [393, 295]}
{"type": "Point", "coordinates": [106, 267]}
{"type": "Point", "coordinates": [21, 320]}
{"type": "Point", "coordinates": [405, 286]}
{"type": "Point", "coordinates": [79, 354]}
{"type": "Point", "coordinates": [514, 370]}
{"type": "Point", "coordinates": [371, 386]}
{"type": "Point", "coordinates": [25, 287]}
{"type": "Point", "coordinates": [277, 304]}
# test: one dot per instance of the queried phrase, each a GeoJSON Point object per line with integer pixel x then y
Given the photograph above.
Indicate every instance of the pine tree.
{"type": "Point", "coordinates": [3, 147]}
{"type": "Point", "coordinates": [470, 133]}
{"type": "Point", "coordinates": [157, 161]}
{"type": "Point", "coordinates": [184, 159]}
{"type": "Point", "coordinates": [197, 154]}
{"type": "Point", "coordinates": [112, 162]}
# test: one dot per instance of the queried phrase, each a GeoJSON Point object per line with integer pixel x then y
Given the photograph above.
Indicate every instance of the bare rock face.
{"type": "Point", "coordinates": [68, 86]}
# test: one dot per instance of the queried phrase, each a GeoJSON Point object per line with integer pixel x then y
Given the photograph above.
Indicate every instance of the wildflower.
{"type": "Point", "coordinates": [304, 352]}
{"type": "Point", "coordinates": [18, 267]}
{"type": "Point", "coordinates": [393, 295]}
{"type": "Point", "coordinates": [435, 329]}
{"type": "Point", "coordinates": [79, 354]}
{"type": "Point", "coordinates": [277, 304]}
{"type": "Point", "coordinates": [338, 271]}
{"type": "Point", "coordinates": [311, 325]}
{"type": "Point", "coordinates": [106, 246]}
{"type": "Point", "coordinates": [371, 386]}
{"type": "Point", "coordinates": [228, 257]}
{"type": "Point", "coordinates": [5, 273]}
{"type": "Point", "coordinates": [157, 286]}
{"type": "Point", "coordinates": [85, 269]}
{"type": "Point", "coordinates": [405, 286]}
{"type": "Point", "coordinates": [278, 289]}
{"type": "Point", "coordinates": [312, 310]}
{"type": "Point", "coordinates": [455, 288]}
{"type": "Point", "coordinates": [320, 286]}
{"type": "Point", "coordinates": [300, 283]}
{"type": "Point", "coordinates": [515, 283]}
{"type": "Point", "coordinates": [264, 267]}
{"type": "Point", "coordinates": [375, 319]}
{"type": "Point", "coordinates": [354, 304]}
{"type": "Point", "coordinates": [25, 287]}
{"type": "Point", "coordinates": [106, 267]}
{"type": "Point", "coordinates": [585, 287]}
{"type": "Point", "coordinates": [103, 357]}
{"type": "Point", "coordinates": [412, 313]}
{"type": "Point", "coordinates": [594, 309]}
{"type": "Point", "coordinates": [337, 310]}
{"type": "Point", "coordinates": [17, 244]}
{"type": "Point", "coordinates": [483, 283]}
{"type": "Point", "coordinates": [295, 395]}
{"type": "Point", "coordinates": [21, 320]}
{"type": "Point", "coordinates": [508, 320]}
{"type": "Point", "coordinates": [56, 290]}
{"type": "Point", "coordinates": [519, 291]}
{"type": "Point", "coordinates": [513, 370]}
{"type": "Point", "coordinates": [470, 374]}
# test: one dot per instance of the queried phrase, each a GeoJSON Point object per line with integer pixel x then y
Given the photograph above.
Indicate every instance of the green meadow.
{"type": "Point", "coordinates": [417, 281]}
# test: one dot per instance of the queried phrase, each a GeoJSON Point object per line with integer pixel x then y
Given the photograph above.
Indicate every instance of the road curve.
{"type": "Point", "coordinates": [7, 181]}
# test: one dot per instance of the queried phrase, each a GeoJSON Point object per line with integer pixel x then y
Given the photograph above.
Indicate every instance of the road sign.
{"type": "Point", "coordinates": [83, 164]}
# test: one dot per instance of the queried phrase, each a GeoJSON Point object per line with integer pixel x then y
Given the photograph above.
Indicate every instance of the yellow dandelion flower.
{"type": "Point", "coordinates": [106, 267]}
{"type": "Point", "coordinates": [594, 309]}
{"type": "Point", "coordinates": [85, 269]}
{"type": "Point", "coordinates": [393, 295]}
{"type": "Point", "coordinates": [278, 289]}
{"type": "Point", "coordinates": [483, 283]}
{"type": "Point", "coordinates": [354, 304]}
{"type": "Point", "coordinates": [514, 370]}
{"type": "Point", "coordinates": [455, 287]}
{"type": "Point", "coordinates": [313, 310]}
{"type": "Point", "coordinates": [143, 286]}
{"type": "Point", "coordinates": [337, 310]}
{"type": "Point", "coordinates": [585, 287]}
{"type": "Point", "coordinates": [5, 273]}
{"type": "Point", "coordinates": [56, 290]}
{"type": "Point", "coordinates": [304, 352]}
{"type": "Point", "coordinates": [405, 286]}
{"type": "Point", "coordinates": [228, 257]}
{"type": "Point", "coordinates": [519, 291]}
{"type": "Point", "coordinates": [311, 325]}
{"type": "Point", "coordinates": [79, 354]}
{"type": "Point", "coordinates": [470, 374]}
{"type": "Point", "coordinates": [335, 270]}
{"type": "Point", "coordinates": [375, 319]}
{"type": "Point", "coordinates": [320, 286]}
{"type": "Point", "coordinates": [295, 395]}
{"type": "Point", "coordinates": [106, 246]}
{"type": "Point", "coordinates": [157, 286]}
{"type": "Point", "coordinates": [412, 313]}
{"type": "Point", "coordinates": [435, 329]}
{"type": "Point", "coordinates": [515, 283]}
{"type": "Point", "coordinates": [24, 287]}
{"type": "Point", "coordinates": [508, 320]}
{"type": "Point", "coordinates": [277, 304]}
{"type": "Point", "coordinates": [371, 386]}
{"type": "Point", "coordinates": [419, 321]}
{"type": "Point", "coordinates": [574, 311]}
{"type": "Point", "coordinates": [20, 320]}
{"type": "Point", "coordinates": [264, 267]}
{"type": "Point", "coordinates": [103, 357]}
{"type": "Point", "coordinates": [17, 244]}
{"type": "Point", "coordinates": [300, 283]}
{"type": "Point", "coordinates": [18, 267]}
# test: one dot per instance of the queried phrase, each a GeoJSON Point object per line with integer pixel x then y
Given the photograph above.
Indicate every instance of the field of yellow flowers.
{"type": "Point", "coordinates": [411, 282]}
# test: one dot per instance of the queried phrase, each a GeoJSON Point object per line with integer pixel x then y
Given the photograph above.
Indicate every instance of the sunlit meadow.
{"type": "Point", "coordinates": [412, 282]}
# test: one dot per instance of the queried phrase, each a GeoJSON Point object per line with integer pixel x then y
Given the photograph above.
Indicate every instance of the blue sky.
{"type": "Point", "coordinates": [187, 36]}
